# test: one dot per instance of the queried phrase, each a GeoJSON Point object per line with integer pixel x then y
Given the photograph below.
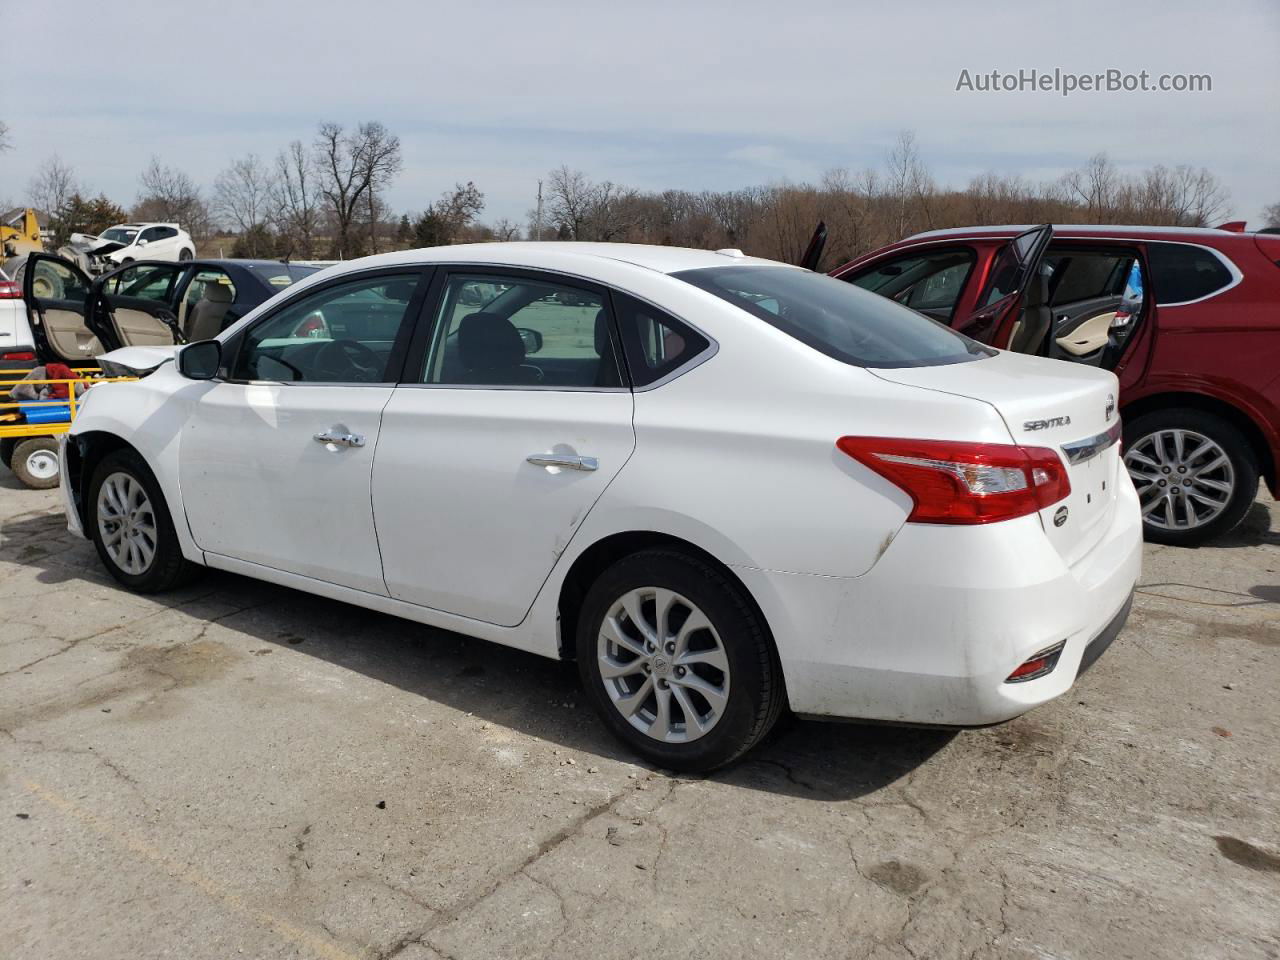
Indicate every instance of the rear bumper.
{"type": "Point", "coordinates": [931, 632]}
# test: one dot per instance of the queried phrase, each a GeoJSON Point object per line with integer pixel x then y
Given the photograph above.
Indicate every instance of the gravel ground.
{"type": "Point", "coordinates": [241, 769]}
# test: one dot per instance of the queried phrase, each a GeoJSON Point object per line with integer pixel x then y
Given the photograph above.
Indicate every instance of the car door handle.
{"type": "Point", "coordinates": [567, 462]}
{"type": "Point", "coordinates": [340, 439]}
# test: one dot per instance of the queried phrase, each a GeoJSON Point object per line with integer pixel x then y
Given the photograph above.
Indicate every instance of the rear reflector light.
{"type": "Point", "coordinates": [1037, 666]}
{"type": "Point", "coordinates": [956, 482]}
{"type": "Point", "coordinates": [18, 355]}
{"type": "Point", "coordinates": [10, 290]}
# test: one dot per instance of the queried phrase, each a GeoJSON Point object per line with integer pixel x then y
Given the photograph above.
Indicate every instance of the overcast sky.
{"type": "Point", "coordinates": [653, 94]}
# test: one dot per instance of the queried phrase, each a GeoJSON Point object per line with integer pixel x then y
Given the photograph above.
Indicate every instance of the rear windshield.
{"type": "Point", "coordinates": [837, 318]}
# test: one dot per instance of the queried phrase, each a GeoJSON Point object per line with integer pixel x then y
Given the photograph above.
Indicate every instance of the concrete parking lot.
{"type": "Point", "coordinates": [243, 770]}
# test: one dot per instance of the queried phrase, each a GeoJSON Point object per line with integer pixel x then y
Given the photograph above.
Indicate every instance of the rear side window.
{"type": "Point", "coordinates": [1181, 272]}
{"type": "Point", "coordinates": [837, 318]}
{"type": "Point", "coordinates": [656, 345]}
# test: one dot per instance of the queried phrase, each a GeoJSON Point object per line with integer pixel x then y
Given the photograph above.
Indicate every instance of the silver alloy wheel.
{"type": "Point", "coordinates": [663, 665]}
{"type": "Point", "coordinates": [1184, 478]}
{"type": "Point", "coordinates": [127, 523]}
{"type": "Point", "coordinates": [42, 464]}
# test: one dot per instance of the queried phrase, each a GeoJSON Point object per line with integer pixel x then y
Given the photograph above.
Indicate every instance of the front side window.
{"type": "Point", "coordinates": [928, 282]}
{"type": "Point", "coordinates": [340, 334]}
{"type": "Point", "coordinates": [511, 331]}
{"type": "Point", "coordinates": [55, 280]}
{"type": "Point", "coordinates": [145, 282]}
{"type": "Point", "coordinates": [837, 318]}
{"type": "Point", "coordinates": [1181, 272]}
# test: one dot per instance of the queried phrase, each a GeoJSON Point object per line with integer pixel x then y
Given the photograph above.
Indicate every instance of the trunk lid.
{"type": "Point", "coordinates": [1066, 407]}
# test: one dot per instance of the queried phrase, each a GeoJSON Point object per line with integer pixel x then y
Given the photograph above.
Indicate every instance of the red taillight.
{"type": "Point", "coordinates": [10, 290]}
{"type": "Point", "coordinates": [956, 482]}
{"type": "Point", "coordinates": [18, 355]}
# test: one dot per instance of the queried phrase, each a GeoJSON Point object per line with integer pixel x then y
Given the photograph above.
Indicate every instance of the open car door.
{"type": "Point", "coordinates": [1014, 310]}
{"type": "Point", "coordinates": [60, 298]}
{"type": "Point", "coordinates": [138, 303]}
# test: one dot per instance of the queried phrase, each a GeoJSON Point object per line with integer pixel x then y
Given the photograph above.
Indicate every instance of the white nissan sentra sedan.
{"type": "Point", "coordinates": [722, 485]}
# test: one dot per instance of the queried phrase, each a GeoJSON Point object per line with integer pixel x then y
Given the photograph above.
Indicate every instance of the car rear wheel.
{"type": "Point", "coordinates": [131, 527]}
{"type": "Point", "coordinates": [35, 462]}
{"type": "Point", "coordinates": [677, 662]}
{"type": "Point", "coordinates": [1195, 473]}
{"type": "Point", "coordinates": [185, 255]}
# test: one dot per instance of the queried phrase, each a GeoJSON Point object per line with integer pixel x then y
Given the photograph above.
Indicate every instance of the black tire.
{"type": "Point", "coordinates": [755, 687]}
{"type": "Point", "coordinates": [185, 254]}
{"type": "Point", "coordinates": [7, 446]}
{"type": "Point", "coordinates": [168, 568]}
{"type": "Point", "coordinates": [30, 462]}
{"type": "Point", "coordinates": [1239, 453]}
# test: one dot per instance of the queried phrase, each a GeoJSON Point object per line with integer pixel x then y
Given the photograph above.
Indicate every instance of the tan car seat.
{"type": "Point", "coordinates": [204, 322]}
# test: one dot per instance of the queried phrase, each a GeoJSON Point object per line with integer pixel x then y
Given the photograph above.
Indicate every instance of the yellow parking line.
{"type": "Point", "coordinates": [319, 946]}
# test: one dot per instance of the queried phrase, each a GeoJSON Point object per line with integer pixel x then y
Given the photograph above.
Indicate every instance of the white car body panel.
{"type": "Point", "coordinates": [873, 617]}
{"type": "Point", "coordinates": [440, 447]}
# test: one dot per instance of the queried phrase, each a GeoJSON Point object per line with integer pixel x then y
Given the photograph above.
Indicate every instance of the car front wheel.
{"type": "Point", "coordinates": [1196, 474]}
{"type": "Point", "coordinates": [677, 662]}
{"type": "Point", "coordinates": [131, 527]}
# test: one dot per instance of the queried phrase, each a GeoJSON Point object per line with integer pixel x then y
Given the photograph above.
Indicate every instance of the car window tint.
{"type": "Point", "coordinates": [837, 318]}
{"type": "Point", "coordinates": [1078, 275]}
{"type": "Point", "coordinates": [341, 334]}
{"type": "Point", "coordinates": [493, 330]}
{"type": "Point", "coordinates": [1004, 276]}
{"type": "Point", "coordinates": [143, 282]}
{"type": "Point", "coordinates": [655, 344]}
{"type": "Point", "coordinates": [930, 282]}
{"type": "Point", "coordinates": [1181, 272]}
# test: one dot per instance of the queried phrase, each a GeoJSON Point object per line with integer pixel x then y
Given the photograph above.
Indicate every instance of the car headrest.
{"type": "Point", "coordinates": [487, 340]}
{"type": "Point", "coordinates": [217, 292]}
{"type": "Point", "coordinates": [400, 290]}
{"type": "Point", "coordinates": [602, 332]}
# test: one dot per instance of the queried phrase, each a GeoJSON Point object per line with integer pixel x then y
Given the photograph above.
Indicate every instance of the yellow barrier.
{"type": "Point", "coordinates": [13, 427]}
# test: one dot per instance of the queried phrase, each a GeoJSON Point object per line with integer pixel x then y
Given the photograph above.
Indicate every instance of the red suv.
{"type": "Point", "coordinates": [1188, 319]}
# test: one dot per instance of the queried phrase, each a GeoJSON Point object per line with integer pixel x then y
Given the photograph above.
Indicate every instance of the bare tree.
{"type": "Point", "coordinates": [505, 229]}
{"type": "Point", "coordinates": [6, 143]}
{"type": "Point", "coordinates": [569, 203]}
{"type": "Point", "coordinates": [242, 197]}
{"type": "Point", "coordinates": [909, 184]}
{"type": "Point", "coordinates": [444, 221]}
{"type": "Point", "coordinates": [169, 195]}
{"type": "Point", "coordinates": [294, 207]}
{"type": "Point", "coordinates": [1271, 216]}
{"type": "Point", "coordinates": [351, 166]}
{"type": "Point", "coordinates": [51, 187]}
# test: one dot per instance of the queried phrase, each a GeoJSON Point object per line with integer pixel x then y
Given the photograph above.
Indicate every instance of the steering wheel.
{"type": "Point", "coordinates": [347, 360]}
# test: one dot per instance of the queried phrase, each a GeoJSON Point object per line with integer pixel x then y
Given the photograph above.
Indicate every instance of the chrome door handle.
{"type": "Point", "coordinates": [568, 463]}
{"type": "Point", "coordinates": [340, 439]}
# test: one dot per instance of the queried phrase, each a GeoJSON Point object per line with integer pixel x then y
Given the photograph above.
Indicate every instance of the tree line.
{"type": "Point", "coordinates": [327, 199]}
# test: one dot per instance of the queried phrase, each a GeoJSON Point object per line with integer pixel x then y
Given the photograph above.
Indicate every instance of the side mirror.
{"type": "Point", "coordinates": [201, 360]}
{"type": "Point", "coordinates": [143, 243]}
{"type": "Point", "coordinates": [532, 340]}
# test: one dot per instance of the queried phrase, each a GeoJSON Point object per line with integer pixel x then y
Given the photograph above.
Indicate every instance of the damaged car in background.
{"type": "Point", "coordinates": [126, 242]}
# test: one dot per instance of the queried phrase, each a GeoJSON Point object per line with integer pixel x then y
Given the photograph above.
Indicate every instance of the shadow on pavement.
{"type": "Point", "coordinates": [527, 693]}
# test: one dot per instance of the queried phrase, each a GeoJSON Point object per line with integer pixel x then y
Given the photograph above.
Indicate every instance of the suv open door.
{"type": "Point", "coordinates": [1014, 309]}
{"type": "Point", "coordinates": [59, 298]}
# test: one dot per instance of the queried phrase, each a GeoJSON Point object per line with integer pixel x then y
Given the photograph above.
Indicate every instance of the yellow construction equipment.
{"type": "Point", "coordinates": [24, 238]}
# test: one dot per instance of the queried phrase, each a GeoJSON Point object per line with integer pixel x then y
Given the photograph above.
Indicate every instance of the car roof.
{"type": "Point", "coordinates": [1079, 230]}
{"type": "Point", "coordinates": [534, 252]}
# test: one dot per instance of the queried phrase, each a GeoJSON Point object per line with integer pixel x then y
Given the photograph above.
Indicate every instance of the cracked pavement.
{"type": "Point", "coordinates": [241, 769]}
